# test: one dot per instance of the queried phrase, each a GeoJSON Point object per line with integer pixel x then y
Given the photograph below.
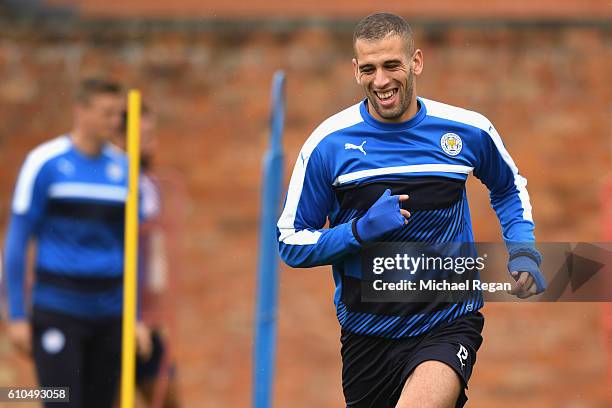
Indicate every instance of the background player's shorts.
{"type": "Point", "coordinates": [374, 369]}
{"type": "Point", "coordinates": [82, 354]}
{"type": "Point", "coordinates": [149, 369]}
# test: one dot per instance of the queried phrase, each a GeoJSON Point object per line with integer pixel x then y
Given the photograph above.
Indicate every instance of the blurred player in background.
{"type": "Point", "coordinates": [70, 198]}
{"type": "Point", "coordinates": [162, 201]}
{"type": "Point", "coordinates": [392, 168]}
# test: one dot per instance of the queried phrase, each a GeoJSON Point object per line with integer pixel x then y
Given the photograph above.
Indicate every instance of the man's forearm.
{"type": "Point", "coordinates": [306, 248]}
{"type": "Point", "coordinates": [15, 264]}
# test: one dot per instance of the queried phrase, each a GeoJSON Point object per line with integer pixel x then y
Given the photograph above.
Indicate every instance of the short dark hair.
{"type": "Point", "coordinates": [89, 87]}
{"type": "Point", "coordinates": [379, 25]}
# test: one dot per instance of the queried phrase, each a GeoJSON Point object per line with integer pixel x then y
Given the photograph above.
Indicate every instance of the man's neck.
{"type": "Point", "coordinates": [86, 143]}
{"type": "Point", "coordinates": [412, 110]}
{"type": "Point", "coordinates": [406, 116]}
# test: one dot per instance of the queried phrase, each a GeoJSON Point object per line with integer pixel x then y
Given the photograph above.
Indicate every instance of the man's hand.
{"type": "Point", "coordinates": [525, 285]}
{"type": "Point", "coordinates": [20, 334]}
{"type": "Point", "coordinates": [524, 266]}
{"type": "Point", "coordinates": [143, 341]}
{"type": "Point", "coordinates": [384, 216]}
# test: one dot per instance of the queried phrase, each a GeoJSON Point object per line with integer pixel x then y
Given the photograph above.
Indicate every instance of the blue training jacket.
{"type": "Point", "coordinates": [73, 205]}
{"type": "Point", "coordinates": [348, 162]}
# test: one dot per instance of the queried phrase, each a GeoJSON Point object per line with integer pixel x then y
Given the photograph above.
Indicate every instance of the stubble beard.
{"type": "Point", "coordinates": [403, 104]}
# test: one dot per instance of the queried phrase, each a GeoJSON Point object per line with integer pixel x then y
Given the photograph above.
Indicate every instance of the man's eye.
{"type": "Point", "coordinates": [366, 70]}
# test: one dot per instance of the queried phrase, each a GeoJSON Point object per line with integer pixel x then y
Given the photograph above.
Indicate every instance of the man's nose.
{"type": "Point", "coordinates": [381, 79]}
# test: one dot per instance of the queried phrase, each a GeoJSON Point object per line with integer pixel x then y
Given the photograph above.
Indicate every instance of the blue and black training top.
{"type": "Point", "coordinates": [348, 162]}
{"type": "Point", "coordinates": [73, 205]}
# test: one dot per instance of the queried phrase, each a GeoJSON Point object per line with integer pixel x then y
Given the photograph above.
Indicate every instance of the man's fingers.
{"type": "Point", "coordinates": [520, 283]}
{"type": "Point", "coordinates": [23, 346]}
{"type": "Point", "coordinates": [530, 283]}
{"type": "Point", "coordinates": [528, 290]}
{"type": "Point", "coordinates": [405, 213]}
{"type": "Point", "coordinates": [516, 289]}
{"type": "Point", "coordinates": [524, 295]}
{"type": "Point", "coordinates": [525, 286]}
{"type": "Point", "coordinates": [143, 340]}
{"type": "Point", "coordinates": [26, 349]}
{"type": "Point", "coordinates": [532, 289]}
{"type": "Point", "coordinates": [20, 334]}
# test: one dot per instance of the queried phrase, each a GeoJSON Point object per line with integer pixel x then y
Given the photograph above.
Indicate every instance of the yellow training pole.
{"type": "Point", "coordinates": [128, 354]}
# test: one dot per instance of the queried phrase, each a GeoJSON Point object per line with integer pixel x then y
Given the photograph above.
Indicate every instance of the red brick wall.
{"type": "Point", "coordinates": [345, 8]}
{"type": "Point", "coordinates": [546, 89]}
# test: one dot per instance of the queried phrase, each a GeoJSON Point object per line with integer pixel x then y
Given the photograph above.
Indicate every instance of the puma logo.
{"type": "Point", "coordinates": [349, 146]}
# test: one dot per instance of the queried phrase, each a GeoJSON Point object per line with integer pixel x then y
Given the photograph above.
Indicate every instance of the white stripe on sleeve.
{"type": "Point", "coordinates": [22, 199]}
{"type": "Point", "coordinates": [347, 118]}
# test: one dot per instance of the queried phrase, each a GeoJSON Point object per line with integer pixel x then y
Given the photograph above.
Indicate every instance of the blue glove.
{"type": "Point", "coordinates": [383, 217]}
{"type": "Point", "coordinates": [527, 259]}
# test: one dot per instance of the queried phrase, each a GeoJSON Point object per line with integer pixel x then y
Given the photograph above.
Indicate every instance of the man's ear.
{"type": "Point", "coordinates": [417, 62]}
{"type": "Point", "coordinates": [356, 70]}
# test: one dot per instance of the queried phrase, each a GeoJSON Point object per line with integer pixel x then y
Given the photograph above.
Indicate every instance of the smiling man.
{"type": "Point", "coordinates": [392, 168]}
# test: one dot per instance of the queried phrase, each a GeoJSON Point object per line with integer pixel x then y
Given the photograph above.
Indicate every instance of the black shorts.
{"type": "Point", "coordinates": [375, 369]}
{"type": "Point", "coordinates": [84, 355]}
{"type": "Point", "coordinates": [150, 368]}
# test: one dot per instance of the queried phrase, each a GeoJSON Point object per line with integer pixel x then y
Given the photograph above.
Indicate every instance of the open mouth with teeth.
{"type": "Point", "coordinates": [386, 97]}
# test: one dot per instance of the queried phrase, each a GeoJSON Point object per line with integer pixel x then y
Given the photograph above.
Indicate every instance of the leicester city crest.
{"type": "Point", "coordinates": [451, 144]}
{"type": "Point", "coordinates": [114, 172]}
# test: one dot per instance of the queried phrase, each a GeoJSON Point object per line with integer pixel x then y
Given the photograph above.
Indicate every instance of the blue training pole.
{"type": "Point", "coordinates": [267, 274]}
